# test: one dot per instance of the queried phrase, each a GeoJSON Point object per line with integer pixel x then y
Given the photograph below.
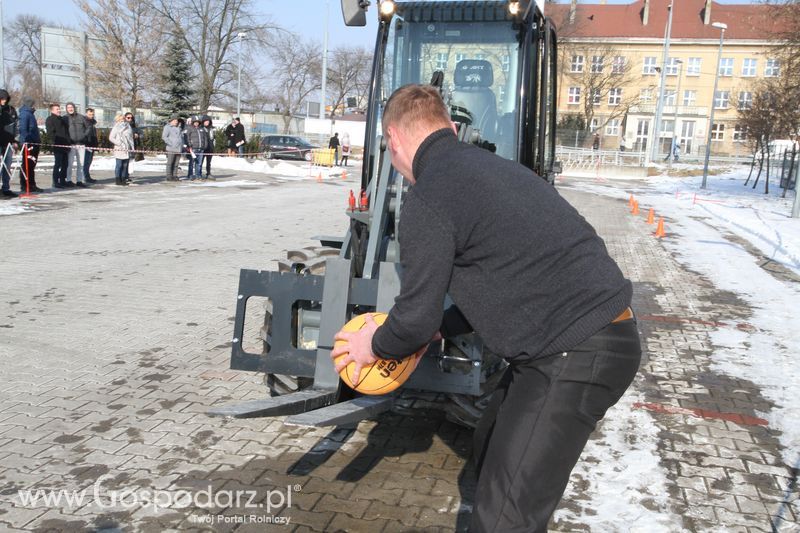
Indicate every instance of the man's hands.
{"type": "Point", "coordinates": [356, 348]}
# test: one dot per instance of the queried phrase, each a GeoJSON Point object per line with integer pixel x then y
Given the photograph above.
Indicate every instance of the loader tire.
{"type": "Point", "coordinates": [309, 260]}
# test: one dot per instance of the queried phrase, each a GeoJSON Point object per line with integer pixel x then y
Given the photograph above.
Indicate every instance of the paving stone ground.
{"type": "Point", "coordinates": [116, 309]}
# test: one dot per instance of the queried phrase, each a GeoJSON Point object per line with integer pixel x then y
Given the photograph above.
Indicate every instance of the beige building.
{"type": "Point", "coordinates": [612, 56]}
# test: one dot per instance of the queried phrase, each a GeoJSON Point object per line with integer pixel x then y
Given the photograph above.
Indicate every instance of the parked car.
{"type": "Point", "coordinates": [286, 147]}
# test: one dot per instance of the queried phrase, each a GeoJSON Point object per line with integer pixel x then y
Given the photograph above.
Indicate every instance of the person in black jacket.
{"type": "Point", "coordinates": [9, 129]}
{"type": "Point", "coordinates": [58, 134]}
{"type": "Point", "coordinates": [91, 144]}
{"type": "Point", "coordinates": [30, 138]}
{"type": "Point", "coordinates": [532, 278]}
{"type": "Point", "coordinates": [334, 144]}
{"type": "Point", "coordinates": [234, 133]}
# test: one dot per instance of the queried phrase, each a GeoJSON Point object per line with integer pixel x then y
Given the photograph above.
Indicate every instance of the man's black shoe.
{"type": "Point", "coordinates": [10, 194]}
{"type": "Point", "coordinates": [68, 184]}
{"type": "Point", "coordinates": [58, 186]}
{"type": "Point", "coordinates": [37, 189]}
{"type": "Point", "coordinates": [91, 180]}
{"type": "Point", "coordinates": [81, 184]}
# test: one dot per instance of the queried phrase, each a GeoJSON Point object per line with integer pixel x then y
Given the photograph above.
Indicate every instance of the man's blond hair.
{"type": "Point", "coordinates": [416, 109]}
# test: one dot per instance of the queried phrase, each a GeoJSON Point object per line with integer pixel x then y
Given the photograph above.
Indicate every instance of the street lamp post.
{"type": "Point", "coordinates": [675, 115]}
{"type": "Point", "coordinates": [660, 103]}
{"type": "Point", "coordinates": [324, 66]}
{"type": "Point", "coordinates": [241, 37]}
{"type": "Point", "coordinates": [722, 27]}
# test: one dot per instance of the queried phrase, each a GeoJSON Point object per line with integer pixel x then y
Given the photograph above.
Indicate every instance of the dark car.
{"type": "Point", "coordinates": [286, 147]}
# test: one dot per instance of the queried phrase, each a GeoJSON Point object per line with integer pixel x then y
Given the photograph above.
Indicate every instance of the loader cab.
{"type": "Point", "coordinates": [494, 66]}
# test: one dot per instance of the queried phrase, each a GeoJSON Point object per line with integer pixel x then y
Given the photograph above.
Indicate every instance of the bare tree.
{"type": "Point", "coordinates": [297, 72]}
{"type": "Point", "coordinates": [604, 78]}
{"type": "Point", "coordinates": [212, 39]}
{"type": "Point", "coordinates": [346, 69]}
{"type": "Point", "coordinates": [24, 38]}
{"type": "Point", "coordinates": [124, 43]}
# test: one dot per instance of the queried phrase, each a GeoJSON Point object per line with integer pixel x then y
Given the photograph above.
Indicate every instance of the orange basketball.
{"type": "Point", "coordinates": [384, 375]}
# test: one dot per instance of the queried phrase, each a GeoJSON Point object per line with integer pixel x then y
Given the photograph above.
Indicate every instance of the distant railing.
{"type": "Point", "coordinates": [586, 158]}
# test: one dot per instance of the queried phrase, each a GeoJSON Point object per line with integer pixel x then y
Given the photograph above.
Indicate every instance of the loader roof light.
{"type": "Point", "coordinates": [513, 8]}
{"type": "Point", "coordinates": [387, 9]}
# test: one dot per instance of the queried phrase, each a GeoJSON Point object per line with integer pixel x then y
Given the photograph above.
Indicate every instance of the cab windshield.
{"type": "Point", "coordinates": [478, 61]}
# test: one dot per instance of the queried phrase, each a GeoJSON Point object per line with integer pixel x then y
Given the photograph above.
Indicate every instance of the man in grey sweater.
{"type": "Point", "coordinates": [77, 137]}
{"type": "Point", "coordinates": [532, 278]}
{"type": "Point", "coordinates": [173, 139]}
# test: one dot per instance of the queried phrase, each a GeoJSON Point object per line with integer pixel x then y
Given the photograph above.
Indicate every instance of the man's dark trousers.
{"type": "Point", "coordinates": [88, 157]}
{"type": "Point", "coordinates": [60, 167]}
{"type": "Point", "coordinates": [538, 422]}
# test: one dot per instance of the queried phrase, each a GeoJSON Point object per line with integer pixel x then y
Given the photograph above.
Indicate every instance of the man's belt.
{"type": "Point", "coordinates": [627, 314]}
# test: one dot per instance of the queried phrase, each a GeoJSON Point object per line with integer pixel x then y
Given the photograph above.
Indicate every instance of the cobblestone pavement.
{"type": "Point", "coordinates": [116, 309]}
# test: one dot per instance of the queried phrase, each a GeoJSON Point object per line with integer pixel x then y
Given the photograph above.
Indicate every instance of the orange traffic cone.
{"type": "Point", "coordinates": [344, 174]}
{"type": "Point", "coordinates": [635, 210]}
{"type": "Point", "coordinates": [319, 177]}
{"type": "Point", "coordinates": [630, 201]}
{"type": "Point", "coordinates": [651, 216]}
{"type": "Point", "coordinates": [351, 201]}
{"type": "Point", "coordinates": [660, 229]}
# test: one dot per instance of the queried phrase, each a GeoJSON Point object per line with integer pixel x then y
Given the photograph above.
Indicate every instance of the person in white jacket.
{"type": "Point", "coordinates": [121, 137]}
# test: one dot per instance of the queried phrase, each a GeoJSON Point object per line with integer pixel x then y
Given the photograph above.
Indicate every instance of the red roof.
{"type": "Point", "coordinates": [745, 21]}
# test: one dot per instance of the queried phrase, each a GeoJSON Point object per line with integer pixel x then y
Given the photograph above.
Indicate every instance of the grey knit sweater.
{"type": "Point", "coordinates": [525, 270]}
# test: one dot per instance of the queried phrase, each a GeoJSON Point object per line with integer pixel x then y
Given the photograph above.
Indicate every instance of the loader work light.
{"type": "Point", "coordinates": [513, 8]}
{"type": "Point", "coordinates": [387, 9]}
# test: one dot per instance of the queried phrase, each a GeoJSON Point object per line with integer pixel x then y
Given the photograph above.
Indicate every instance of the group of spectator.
{"type": "Point", "coordinates": [196, 140]}
{"type": "Point", "coordinates": [73, 136]}
{"type": "Point", "coordinates": [73, 140]}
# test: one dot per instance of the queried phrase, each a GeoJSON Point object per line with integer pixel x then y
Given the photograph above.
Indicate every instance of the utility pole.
{"type": "Point", "coordinates": [2, 51]}
{"type": "Point", "coordinates": [675, 116]}
{"type": "Point", "coordinates": [796, 206]}
{"type": "Point", "coordinates": [241, 36]}
{"type": "Point", "coordinates": [660, 105]}
{"type": "Point", "coordinates": [722, 27]}
{"type": "Point", "coordinates": [324, 65]}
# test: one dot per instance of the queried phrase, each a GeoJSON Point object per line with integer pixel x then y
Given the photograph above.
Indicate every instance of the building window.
{"type": "Point", "coordinates": [480, 57]}
{"type": "Point", "coordinates": [667, 128]}
{"type": "Point", "coordinates": [689, 98]}
{"type": "Point", "coordinates": [672, 66]}
{"type": "Point", "coordinates": [594, 125]}
{"type": "Point", "coordinates": [501, 97]}
{"type": "Point", "coordinates": [574, 95]}
{"type": "Point", "coordinates": [618, 65]}
{"type": "Point", "coordinates": [596, 94]}
{"type": "Point", "coordinates": [649, 68]}
{"type": "Point", "coordinates": [506, 63]}
{"type": "Point", "coordinates": [669, 98]}
{"type": "Point", "coordinates": [577, 64]}
{"type": "Point", "coordinates": [718, 132]}
{"type": "Point", "coordinates": [441, 61]}
{"type": "Point", "coordinates": [460, 58]}
{"type": "Point", "coordinates": [612, 127]}
{"type": "Point", "coordinates": [597, 64]}
{"type": "Point", "coordinates": [773, 68]}
{"type": "Point", "coordinates": [745, 100]}
{"type": "Point", "coordinates": [693, 66]}
{"type": "Point", "coordinates": [721, 99]}
{"type": "Point", "coordinates": [646, 95]}
{"type": "Point", "coordinates": [749, 67]}
{"type": "Point", "coordinates": [615, 96]}
{"type": "Point", "coordinates": [726, 66]}
{"type": "Point", "coordinates": [739, 133]}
